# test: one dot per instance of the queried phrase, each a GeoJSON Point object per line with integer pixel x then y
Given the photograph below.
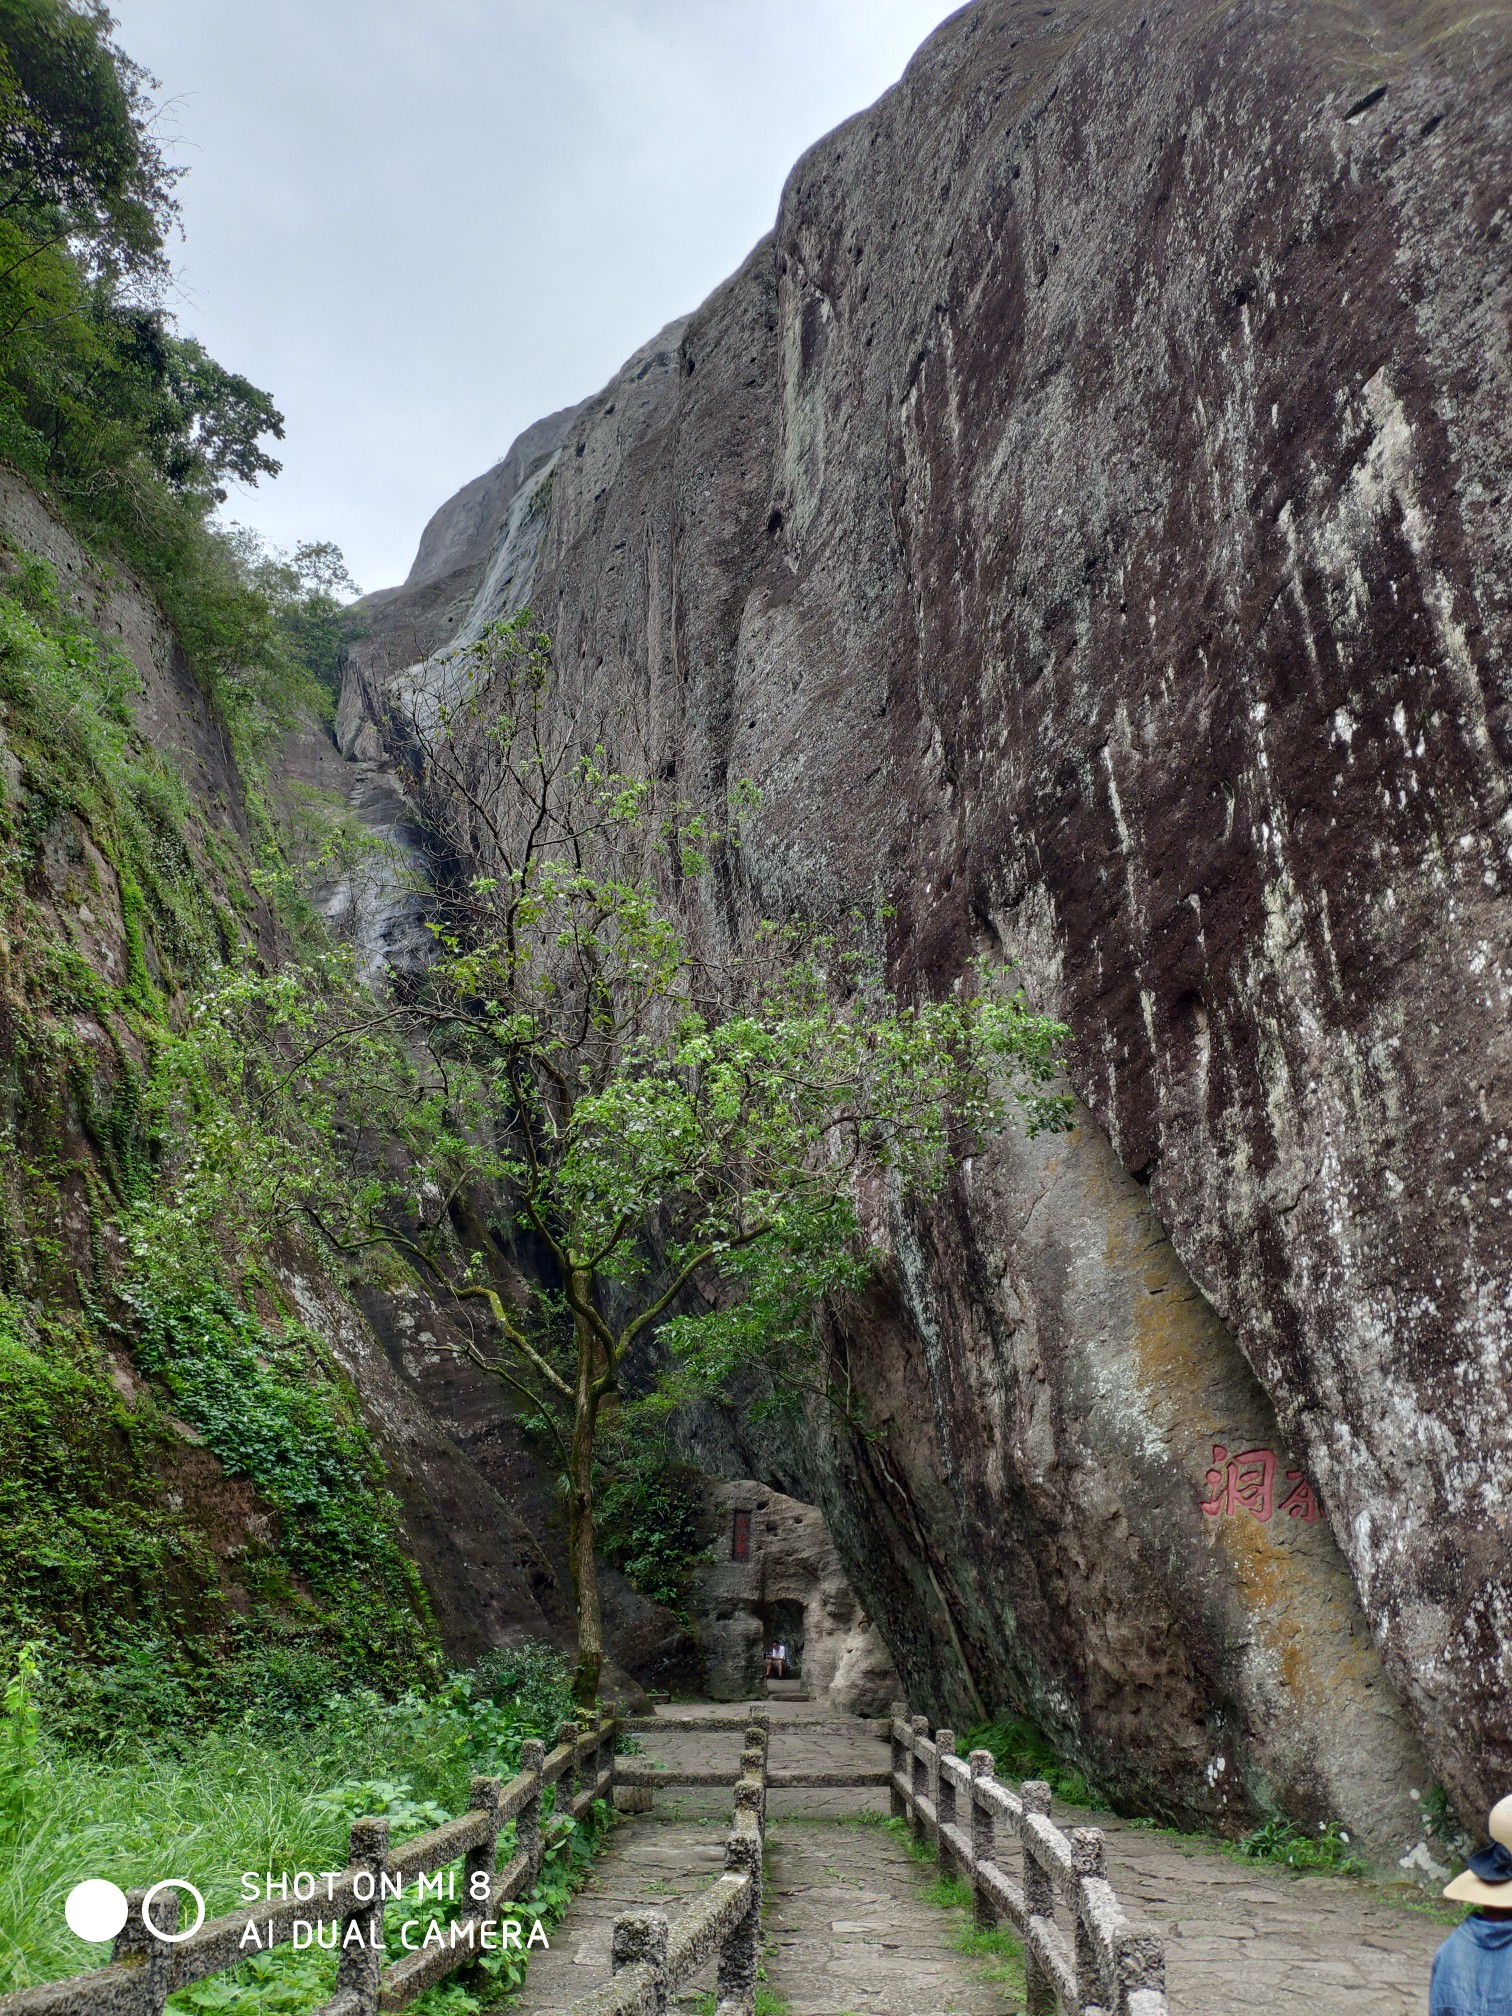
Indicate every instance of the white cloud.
{"type": "Point", "coordinates": [423, 223]}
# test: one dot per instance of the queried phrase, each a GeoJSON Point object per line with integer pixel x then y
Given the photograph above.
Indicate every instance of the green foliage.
{"type": "Point", "coordinates": [1442, 1824]}
{"type": "Point", "coordinates": [19, 1721]}
{"type": "Point", "coordinates": [531, 1679]}
{"type": "Point", "coordinates": [66, 697]}
{"type": "Point", "coordinates": [1020, 1750]}
{"type": "Point", "coordinates": [1326, 1846]}
{"type": "Point", "coordinates": [275, 1413]}
{"type": "Point", "coordinates": [1001, 1953]}
{"type": "Point", "coordinates": [253, 1100]}
{"type": "Point", "coordinates": [78, 154]}
{"type": "Point", "coordinates": [305, 588]}
{"type": "Point", "coordinates": [90, 1554]}
{"type": "Point", "coordinates": [203, 1152]}
{"type": "Point", "coordinates": [84, 1536]}
{"type": "Point", "coordinates": [98, 395]}
{"type": "Point", "coordinates": [649, 1511]}
{"type": "Point", "coordinates": [110, 1110]}
{"type": "Point", "coordinates": [269, 1791]}
{"type": "Point", "coordinates": [766, 2003]}
{"type": "Point", "coordinates": [130, 426]}
{"type": "Point", "coordinates": [917, 1851]}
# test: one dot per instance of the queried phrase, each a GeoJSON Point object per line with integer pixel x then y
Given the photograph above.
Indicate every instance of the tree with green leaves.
{"type": "Point", "coordinates": [93, 374]}
{"type": "Point", "coordinates": [309, 590]}
{"type": "Point", "coordinates": [646, 1145]}
{"type": "Point", "coordinates": [129, 425]}
{"type": "Point", "coordinates": [78, 160]}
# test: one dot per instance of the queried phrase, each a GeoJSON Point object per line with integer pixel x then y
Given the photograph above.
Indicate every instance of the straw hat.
{"type": "Point", "coordinates": [1488, 1878]}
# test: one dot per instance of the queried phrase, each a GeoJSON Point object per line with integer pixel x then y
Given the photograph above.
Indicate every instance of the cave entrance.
{"type": "Point", "coordinates": [782, 1622]}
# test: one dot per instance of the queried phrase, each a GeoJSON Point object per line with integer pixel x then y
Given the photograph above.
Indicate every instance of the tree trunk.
{"type": "Point", "coordinates": [580, 1532]}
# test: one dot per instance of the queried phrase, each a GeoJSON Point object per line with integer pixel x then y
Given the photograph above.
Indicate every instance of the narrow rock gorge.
{"type": "Point", "coordinates": [1086, 518]}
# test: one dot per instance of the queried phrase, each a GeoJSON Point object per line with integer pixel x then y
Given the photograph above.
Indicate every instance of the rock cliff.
{"type": "Point", "coordinates": [71, 1070]}
{"type": "Point", "coordinates": [1087, 519]}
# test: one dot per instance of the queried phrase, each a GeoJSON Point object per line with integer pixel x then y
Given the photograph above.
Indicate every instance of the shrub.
{"type": "Point", "coordinates": [1021, 1750]}
{"type": "Point", "coordinates": [1326, 1846]}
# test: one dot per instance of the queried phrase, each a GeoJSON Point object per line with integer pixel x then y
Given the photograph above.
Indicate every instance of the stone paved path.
{"type": "Point", "coordinates": [1243, 1937]}
{"type": "Point", "coordinates": [847, 1928]}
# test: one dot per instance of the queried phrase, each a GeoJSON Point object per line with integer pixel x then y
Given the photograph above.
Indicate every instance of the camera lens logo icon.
{"type": "Point", "coordinates": [96, 1910]}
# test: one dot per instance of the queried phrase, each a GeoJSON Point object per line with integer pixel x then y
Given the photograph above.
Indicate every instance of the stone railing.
{"type": "Point", "coordinates": [1097, 1963]}
{"type": "Point", "coordinates": [146, 1968]}
{"type": "Point", "coordinates": [655, 1958]}
{"type": "Point", "coordinates": [644, 1779]}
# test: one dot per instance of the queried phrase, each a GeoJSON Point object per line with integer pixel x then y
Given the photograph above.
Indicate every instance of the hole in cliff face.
{"type": "Point", "coordinates": [1364, 104]}
{"type": "Point", "coordinates": [782, 1622]}
{"type": "Point", "coordinates": [774, 524]}
{"type": "Point", "coordinates": [1430, 125]}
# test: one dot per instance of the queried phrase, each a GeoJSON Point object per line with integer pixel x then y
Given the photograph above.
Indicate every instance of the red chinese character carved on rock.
{"type": "Point", "coordinates": [1301, 1501]}
{"type": "Point", "coordinates": [1245, 1482]}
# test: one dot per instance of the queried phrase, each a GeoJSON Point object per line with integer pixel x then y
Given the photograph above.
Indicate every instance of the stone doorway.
{"type": "Point", "coordinates": [771, 1575]}
{"type": "Point", "coordinates": [782, 1623]}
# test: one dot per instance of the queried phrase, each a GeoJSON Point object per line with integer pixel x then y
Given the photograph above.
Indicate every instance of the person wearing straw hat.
{"type": "Point", "coordinates": [1472, 1970]}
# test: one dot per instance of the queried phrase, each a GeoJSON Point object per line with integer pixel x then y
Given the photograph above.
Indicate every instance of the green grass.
{"type": "Point", "coordinates": [1020, 1750]}
{"type": "Point", "coordinates": [999, 1952]}
{"type": "Point", "coordinates": [260, 1795]}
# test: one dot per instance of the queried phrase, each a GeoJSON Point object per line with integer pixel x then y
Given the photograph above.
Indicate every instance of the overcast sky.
{"type": "Point", "coordinates": [421, 224]}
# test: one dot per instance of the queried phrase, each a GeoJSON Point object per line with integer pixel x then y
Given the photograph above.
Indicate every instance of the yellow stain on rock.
{"type": "Point", "coordinates": [1288, 1578]}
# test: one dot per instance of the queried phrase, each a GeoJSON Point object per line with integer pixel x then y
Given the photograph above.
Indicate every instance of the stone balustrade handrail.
{"type": "Point", "coordinates": [1099, 1963]}
{"type": "Point", "coordinates": [712, 1725]}
{"type": "Point", "coordinates": [654, 1959]}
{"type": "Point", "coordinates": [146, 1968]}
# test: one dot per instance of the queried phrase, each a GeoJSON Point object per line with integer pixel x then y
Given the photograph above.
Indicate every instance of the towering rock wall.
{"type": "Point", "coordinates": [1087, 519]}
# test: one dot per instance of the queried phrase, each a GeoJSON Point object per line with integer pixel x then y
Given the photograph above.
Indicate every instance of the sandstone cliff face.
{"type": "Point", "coordinates": [1087, 519]}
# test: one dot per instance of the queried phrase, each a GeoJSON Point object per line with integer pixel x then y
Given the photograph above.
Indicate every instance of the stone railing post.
{"type": "Point", "coordinates": [361, 1963]}
{"type": "Point", "coordinates": [944, 1800]}
{"type": "Point", "coordinates": [753, 1759]}
{"type": "Point", "coordinates": [740, 1955]}
{"type": "Point", "coordinates": [1087, 1859]}
{"type": "Point", "coordinates": [135, 1939]}
{"type": "Point", "coordinates": [1039, 1902]}
{"type": "Point", "coordinates": [919, 1724]}
{"type": "Point", "coordinates": [483, 1796]}
{"type": "Point", "coordinates": [1139, 1961]}
{"type": "Point", "coordinates": [528, 1825]}
{"type": "Point", "coordinates": [567, 1784]}
{"type": "Point", "coordinates": [983, 1841]}
{"type": "Point", "coordinates": [899, 1750]}
{"type": "Point", "coordinates": [640, 1940]}
{"type": "Point", "coordinates": [751, 1799]}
